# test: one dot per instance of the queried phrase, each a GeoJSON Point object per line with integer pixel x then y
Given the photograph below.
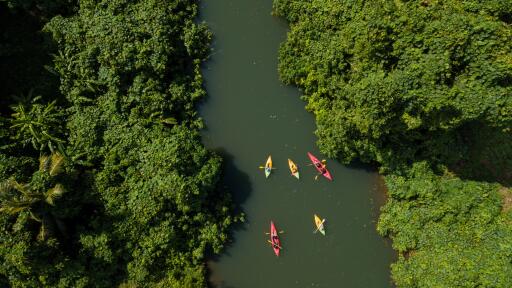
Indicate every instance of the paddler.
{"type": "Point", "coordinates": [322, 166]}
{"type": "Point", "coordinates": [274, 241]}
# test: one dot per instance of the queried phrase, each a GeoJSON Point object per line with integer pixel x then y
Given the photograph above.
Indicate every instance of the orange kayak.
{"type": "Point", "coordinates": [319, 224]}
{"type": "Point", "coordinates": [293, 168]}
{"type": "Point", "coordinates": [268, 166]}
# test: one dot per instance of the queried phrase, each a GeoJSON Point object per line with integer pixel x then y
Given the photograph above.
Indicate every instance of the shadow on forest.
{"type": "Point", "coordinates": [475, 151]}
{"type": "Point", "coordinates": [92, 219]}
{"type": "Point", "coordinates": [23, 58]}
{"type": "Point", "coordinates": [367, 167]}
{"type": "Point", "coordinates": [487, 154]}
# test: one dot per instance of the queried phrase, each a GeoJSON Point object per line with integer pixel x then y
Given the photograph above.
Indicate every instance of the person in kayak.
{"type": "Point", "coordinates": [321, 166]}
{"type": "Point", "coordinates": [274, 241]}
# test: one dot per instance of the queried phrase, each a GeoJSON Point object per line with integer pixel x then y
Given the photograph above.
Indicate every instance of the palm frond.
{"type": "Point", "coordinates": [57, 164]}
{"type": "Point", "coordinates": [20, 187]}
{"type": "Point", "coordinates": [5, 188]}
{"type": "Point", "coordinates": [14, 197]}
{"type": "Point", "coordinates": [14, 207]}
{"type": "Point", "coordinates": [24, 99]}
{"type": "Point", "coordinates": [43, 232]}
{"type": "Point", "coordinates": [13, 210]}
{"type": "Point", "coordinates": [169, 120]}
{"type": "Point", "coordinates": [44, 163]}
{"type": "Point", "coordinates": [33, 216]}
{"type": "Point", "coordinates": [54, 193]}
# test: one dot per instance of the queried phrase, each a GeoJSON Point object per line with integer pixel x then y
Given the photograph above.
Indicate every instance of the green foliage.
{"type": "Point", "coordinates": [38, 125]}
{"type": "Point", "coordinates": [416, 87]}
{"type": "Point", "coordinates": [34, 229]}
{"type": "Point", "coordinates": [449, 232]}
{"type": "Point", "coordinates": [142, 206]}
{"type": "Point", "coordinates": [160, 182]}
{"type": "Point", "coordinates": [36, 198]}
{"type": "Point", "coordinates": [399, 76]}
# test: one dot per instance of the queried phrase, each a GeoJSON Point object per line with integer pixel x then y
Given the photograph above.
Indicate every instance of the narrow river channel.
{"type": "Point", "coordinates": [249, 115]}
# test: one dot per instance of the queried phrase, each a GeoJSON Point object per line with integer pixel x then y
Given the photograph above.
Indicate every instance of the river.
{"type": "Point", "coordinates": [250, 114]}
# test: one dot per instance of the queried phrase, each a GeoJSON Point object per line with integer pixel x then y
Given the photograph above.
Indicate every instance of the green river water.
{"type": "Point", "coordinates": [249, 115]}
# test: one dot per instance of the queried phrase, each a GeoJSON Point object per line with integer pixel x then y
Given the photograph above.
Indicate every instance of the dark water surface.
{"type": "Point", "coordinates": [250, 114]}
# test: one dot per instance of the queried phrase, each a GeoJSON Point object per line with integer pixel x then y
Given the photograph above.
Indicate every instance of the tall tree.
{"type": "Point", "coordinates": [38, 197]}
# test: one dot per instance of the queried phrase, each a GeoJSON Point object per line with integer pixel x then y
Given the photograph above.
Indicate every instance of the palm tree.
{"type": "Point", "coordinates": [38, 124]}
{"type": "Point", "coordinates": [17, 198]}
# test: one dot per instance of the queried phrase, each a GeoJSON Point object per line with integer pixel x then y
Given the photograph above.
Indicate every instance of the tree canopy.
{"type": "Point", "coordinates": [423, 90]}
{"type": "Point", "coordinates": [388, 76]}
{"type": "Point", "coordinates": [139, 204]}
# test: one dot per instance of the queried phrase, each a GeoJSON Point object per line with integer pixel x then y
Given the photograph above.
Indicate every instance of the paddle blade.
{"type": "Point", "coordinates": [320, 226]}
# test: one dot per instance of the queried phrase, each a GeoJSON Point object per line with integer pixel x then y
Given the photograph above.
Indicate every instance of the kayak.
{"type": "Point", "coordinates": [268, 166]}
{"type": "Point", "coordinates": [293, 167]}
{"type": "Point", "coordinates": [274, 238]}
{"type": "Point", "coordinates": [319, 224]}
{"type": "Point", "coordinates": [318, 165]}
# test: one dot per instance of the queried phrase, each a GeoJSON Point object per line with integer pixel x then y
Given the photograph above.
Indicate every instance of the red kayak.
{"type": "Point", "coordinates": [274, 239]}
{"type": "Point", "coordinates": [320, 167]}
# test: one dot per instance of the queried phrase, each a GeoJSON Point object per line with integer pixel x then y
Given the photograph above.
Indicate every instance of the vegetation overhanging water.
{"type": "Point", "coordinates": [98, 118]}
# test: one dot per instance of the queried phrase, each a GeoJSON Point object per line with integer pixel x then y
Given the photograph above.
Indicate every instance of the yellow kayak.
{"type": "Point", "coordinates": [293, 168]}
{"type": "Point", "coordinates": [268, 166]}
{"type": "Point", "coordinates": [319, 225]}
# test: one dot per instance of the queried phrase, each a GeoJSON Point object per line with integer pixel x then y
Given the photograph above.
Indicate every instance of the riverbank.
{"type": "Point", "coordinates": [250, 114]}
{"type": "Point", "coordinates": [417, 88]}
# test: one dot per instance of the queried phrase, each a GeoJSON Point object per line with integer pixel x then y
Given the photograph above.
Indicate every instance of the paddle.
{"type": "Point", "coordinates": [280, 232]}
{"type": "Point", "coordinates": [263, 167]}
{"type": "Point", "coordinates": [317, 228]}
{"type": "Point", "coordinates": [275, 244]}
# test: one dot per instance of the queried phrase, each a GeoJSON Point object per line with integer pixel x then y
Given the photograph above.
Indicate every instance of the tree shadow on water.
{"type": "Point", "coordinates": [367, 167]}
{"type": "Point", "coordinates": [218, 284]}
{"type": "Point", "coordinates": [233, 179]}
{"type": "Point", "coordinates": [238, 184]}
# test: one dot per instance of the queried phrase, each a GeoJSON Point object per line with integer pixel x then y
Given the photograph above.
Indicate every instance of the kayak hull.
{"type": "Point", "coordinates": [268, 166]}
{"type": "Point", "coordinates": [315, 161]}
{"type": "Point", "coordinates": [274, 239]}
{"type": "Point", "coordinates": [319, 224]}
{"type": "Point", "coordinates": [293, 167]}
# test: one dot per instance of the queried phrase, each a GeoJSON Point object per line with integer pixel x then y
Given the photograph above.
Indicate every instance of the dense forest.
{"type": "Point", "coordinates": [423, 90]}
{"type": "Point", "coordinates": [103, 179]}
